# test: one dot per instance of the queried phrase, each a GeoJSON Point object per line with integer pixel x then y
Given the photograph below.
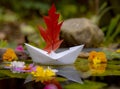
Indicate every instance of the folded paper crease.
{"type": "Point", "coordinates": [66, 57]}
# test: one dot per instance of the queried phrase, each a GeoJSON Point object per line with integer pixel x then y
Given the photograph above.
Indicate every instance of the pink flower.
{"type": "Point", "coordinates": [20, 48]}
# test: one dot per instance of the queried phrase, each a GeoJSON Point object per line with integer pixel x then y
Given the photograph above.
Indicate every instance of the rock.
{"type": "Point", "coordinates": [83, 55]}
{"type": "Point", "coordinates": [78, 31]}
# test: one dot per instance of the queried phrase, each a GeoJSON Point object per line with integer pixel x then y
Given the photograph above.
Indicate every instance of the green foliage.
{"type": "Point", "coordinates": [9, 74]}
{"type": "Point", "coordinates": [69, 10]}
{"type": "Point", "coordinates": [25, 7]}
{"type": "Point", "coordinates": [18, 10]}
{"type": "Point", "coordinates": [4, 17]}
{"type": "Point", "coordinates": [101, 11]}
{"type": "Point", "coordinates": [112, 30]}
{"type": "Point", "coordinates": [87, 85]}
{"type": "Point", "coordinates": [3, 43]}
{"type": "Point", "coordinates": [111, 54]}
{"type": "Point", "coordinates": [30, 5]}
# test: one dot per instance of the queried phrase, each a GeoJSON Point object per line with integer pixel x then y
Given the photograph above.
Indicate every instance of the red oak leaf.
{"type": "Point", "coordinates": [51, 33]}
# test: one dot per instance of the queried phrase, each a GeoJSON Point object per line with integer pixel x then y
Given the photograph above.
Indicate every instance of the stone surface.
{"type": "Point", "coordinates": [78, 31]}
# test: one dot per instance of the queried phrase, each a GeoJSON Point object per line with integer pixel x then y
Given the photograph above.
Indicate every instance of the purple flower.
{"type": "Point", "coordinates": [16, 69]}
{"type": "Point", "coordinates": [28, 68]}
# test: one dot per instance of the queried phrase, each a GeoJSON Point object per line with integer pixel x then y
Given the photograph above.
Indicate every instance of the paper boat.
{"type": "Point", "coordinates": [62, 58]}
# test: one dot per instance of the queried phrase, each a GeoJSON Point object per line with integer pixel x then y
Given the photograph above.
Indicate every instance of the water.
{"type": "Point", "coordinates": [81, 75]}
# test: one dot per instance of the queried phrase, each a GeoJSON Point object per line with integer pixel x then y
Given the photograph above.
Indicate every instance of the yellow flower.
{"type": "Point", "coordinates": [42, 74]}
{"type": "Point", "coordinates": [92, 55]}
{"type": "Point", "coordinates": [9, 55]}
{"type": "Point", "coordinates": [118, 50]}
{"type": "Point", "coordinates": [97, 68]}
{"type": "Point", "coordinates": [97, 57]}
{"type": "Point", "coordinates": [96, 60]}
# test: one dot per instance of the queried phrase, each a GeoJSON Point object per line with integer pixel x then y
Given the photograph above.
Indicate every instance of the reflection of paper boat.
{"type": "Point", "coordinates": [66, 57]}
{"type": "Point", "coordinates": [70, 73]}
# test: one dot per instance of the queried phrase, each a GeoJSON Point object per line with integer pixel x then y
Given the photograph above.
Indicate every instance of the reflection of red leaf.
{"type": "Point", "coordinates": [53, 82]}
{"type": "Point", "coordinates": [51, 33]}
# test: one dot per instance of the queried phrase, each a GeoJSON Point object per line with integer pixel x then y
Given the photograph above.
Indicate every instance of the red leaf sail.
{"type": "Point", "coordinates": [51, 33]}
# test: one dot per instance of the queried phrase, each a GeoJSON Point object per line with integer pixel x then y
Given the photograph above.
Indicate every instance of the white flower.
{"type": "Point", "coordinates": [17, 64]}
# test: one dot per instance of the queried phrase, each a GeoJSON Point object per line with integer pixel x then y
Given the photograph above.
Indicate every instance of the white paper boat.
{"type": "Point", "coordinates": [66, 57]}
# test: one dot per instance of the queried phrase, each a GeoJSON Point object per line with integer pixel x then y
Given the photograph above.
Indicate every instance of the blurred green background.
{"type": "Point", "coordinates": [26, 15]}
